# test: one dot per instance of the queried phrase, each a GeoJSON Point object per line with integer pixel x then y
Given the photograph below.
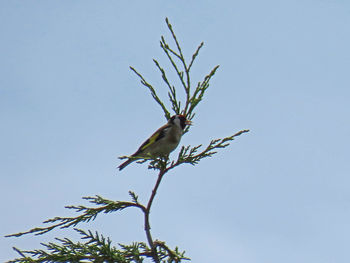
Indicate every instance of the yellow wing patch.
{"type": "Point", "coordinates": [151, 140]}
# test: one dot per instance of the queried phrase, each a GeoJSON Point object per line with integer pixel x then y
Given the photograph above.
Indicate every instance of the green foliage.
{"type": "Point", "coordinates": [183, 73]}
{"type": "Point", "coordinates": [86, 214]}
{"type": "Point", "coordinates": [189, 154]}
{"type": "Point", "coordinates": [97, 248]}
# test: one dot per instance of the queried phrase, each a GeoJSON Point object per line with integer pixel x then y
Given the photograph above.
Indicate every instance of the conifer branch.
{"type": "Point", "coordinates": [183, 72]}
{"type": "Point", "coordinates": [86, 214]}
{"type": "Point", "coordinates": [95, 248]}
{"type": "Point", "coordinates": [190, 155]}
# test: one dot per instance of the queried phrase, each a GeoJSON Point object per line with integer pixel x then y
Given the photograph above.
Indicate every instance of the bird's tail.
{"type": "Point", "coordinates": [126, 163]}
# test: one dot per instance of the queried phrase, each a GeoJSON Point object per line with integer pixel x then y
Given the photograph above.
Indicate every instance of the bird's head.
{"type": "Point", "coordinates": [180, 120]}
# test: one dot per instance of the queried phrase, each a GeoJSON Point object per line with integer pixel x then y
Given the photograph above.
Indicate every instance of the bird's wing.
{"type": "Point", "coordinates": [159, 134]}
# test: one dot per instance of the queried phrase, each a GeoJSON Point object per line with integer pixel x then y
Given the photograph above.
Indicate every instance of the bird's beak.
{"type": "Point", "coordinates": [188, 122]}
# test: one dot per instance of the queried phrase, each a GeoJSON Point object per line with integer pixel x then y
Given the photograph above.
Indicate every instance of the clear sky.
{"type": "Point", "coordinates": [69, 106]}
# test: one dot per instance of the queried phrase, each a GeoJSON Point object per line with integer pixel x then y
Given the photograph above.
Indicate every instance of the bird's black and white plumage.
{"type": "Point", "coordinates": [162, 142]}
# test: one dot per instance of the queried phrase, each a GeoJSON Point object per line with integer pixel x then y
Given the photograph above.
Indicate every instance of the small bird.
{"type": "Point", "coordinates": [162, 142]}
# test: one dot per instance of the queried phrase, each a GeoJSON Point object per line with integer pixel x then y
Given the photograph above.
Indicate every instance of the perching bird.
{"type": "Point", "coordinates": [162, 142]}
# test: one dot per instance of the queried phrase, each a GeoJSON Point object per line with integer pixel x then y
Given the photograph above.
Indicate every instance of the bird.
{"type": "Point", "coordinates": [162, 142]}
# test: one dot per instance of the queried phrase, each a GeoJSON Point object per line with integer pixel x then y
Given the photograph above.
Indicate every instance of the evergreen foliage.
{"type": "Point", "coordinates": [94, 247]}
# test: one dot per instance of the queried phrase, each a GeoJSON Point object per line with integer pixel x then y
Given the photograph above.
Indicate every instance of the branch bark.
{"type": "Point", "coordinates": [147, 213]}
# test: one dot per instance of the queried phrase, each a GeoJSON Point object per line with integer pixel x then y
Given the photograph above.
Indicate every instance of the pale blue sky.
{"type": "Point", "coordinates": [69, 105]}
